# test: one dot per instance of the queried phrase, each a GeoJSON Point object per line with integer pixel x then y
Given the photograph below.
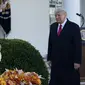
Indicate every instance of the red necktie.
{"type": "Point", "coordinates": [60, 29]}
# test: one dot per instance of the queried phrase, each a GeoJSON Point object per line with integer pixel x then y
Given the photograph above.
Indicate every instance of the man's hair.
{"type": "Point", "coordinates": [60, 11]}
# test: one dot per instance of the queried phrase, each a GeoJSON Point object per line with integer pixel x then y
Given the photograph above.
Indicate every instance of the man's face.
{"type": "Point", "coordinates": [60, 17]}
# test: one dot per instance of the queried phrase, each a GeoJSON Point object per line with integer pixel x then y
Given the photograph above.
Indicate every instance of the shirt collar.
{"type": "Point", "coordinates": [63, 23]}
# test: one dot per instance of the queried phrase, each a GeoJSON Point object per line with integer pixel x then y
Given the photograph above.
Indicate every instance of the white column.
{"type": "Point", "coordinates": [30, 22]}
{"type": "Point", "coordinates": [82, 6]}
{"type": "Point", "coordinates": [72, 7]}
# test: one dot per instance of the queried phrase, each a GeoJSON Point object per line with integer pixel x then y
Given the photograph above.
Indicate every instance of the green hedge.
{"type": "Point", "coordinates": [22, 55]}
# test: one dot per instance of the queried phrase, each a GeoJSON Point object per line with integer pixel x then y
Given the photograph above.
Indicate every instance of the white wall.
{"type": "Point", "coordinates": [82, 6]}
{"type": "Point", "coordinates": [72, 7]}
{"type": "Point", "coordinates": [30, 22]}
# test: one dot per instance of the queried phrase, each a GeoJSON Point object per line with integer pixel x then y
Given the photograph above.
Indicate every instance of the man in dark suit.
{"type": "Point", "coordinates": [64, 51]}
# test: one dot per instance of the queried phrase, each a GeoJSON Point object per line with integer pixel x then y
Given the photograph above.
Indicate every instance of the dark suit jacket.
{"type": "Point", "coordinates": [64, 50]}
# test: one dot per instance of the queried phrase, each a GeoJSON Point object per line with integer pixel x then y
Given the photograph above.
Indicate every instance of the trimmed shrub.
{"type": "Point", "coordinates": [22, 55]}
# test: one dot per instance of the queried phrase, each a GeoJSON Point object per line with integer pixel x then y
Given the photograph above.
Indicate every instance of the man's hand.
{"type": "Point", "coordinates": [76, 65]}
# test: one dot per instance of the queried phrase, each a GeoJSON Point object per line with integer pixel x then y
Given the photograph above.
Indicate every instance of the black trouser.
{"type": "Point", "coordinates": [64, 76]}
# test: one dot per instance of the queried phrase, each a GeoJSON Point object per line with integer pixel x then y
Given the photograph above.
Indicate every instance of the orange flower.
{"type": "Point", "coordinates": [2, 83]}
{"type": "Point", "coordinates": [15, 77]}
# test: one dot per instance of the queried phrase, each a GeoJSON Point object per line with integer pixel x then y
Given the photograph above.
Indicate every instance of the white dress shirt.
{"type": "Point", "coordinates": [62, 24]}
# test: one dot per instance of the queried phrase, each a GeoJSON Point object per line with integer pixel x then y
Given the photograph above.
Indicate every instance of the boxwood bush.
{"type": "Point", "coordinates": [22, 55]}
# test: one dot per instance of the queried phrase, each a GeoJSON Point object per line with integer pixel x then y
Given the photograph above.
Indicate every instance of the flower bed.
{"type": "Point", "coordinates": [19, 77]}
